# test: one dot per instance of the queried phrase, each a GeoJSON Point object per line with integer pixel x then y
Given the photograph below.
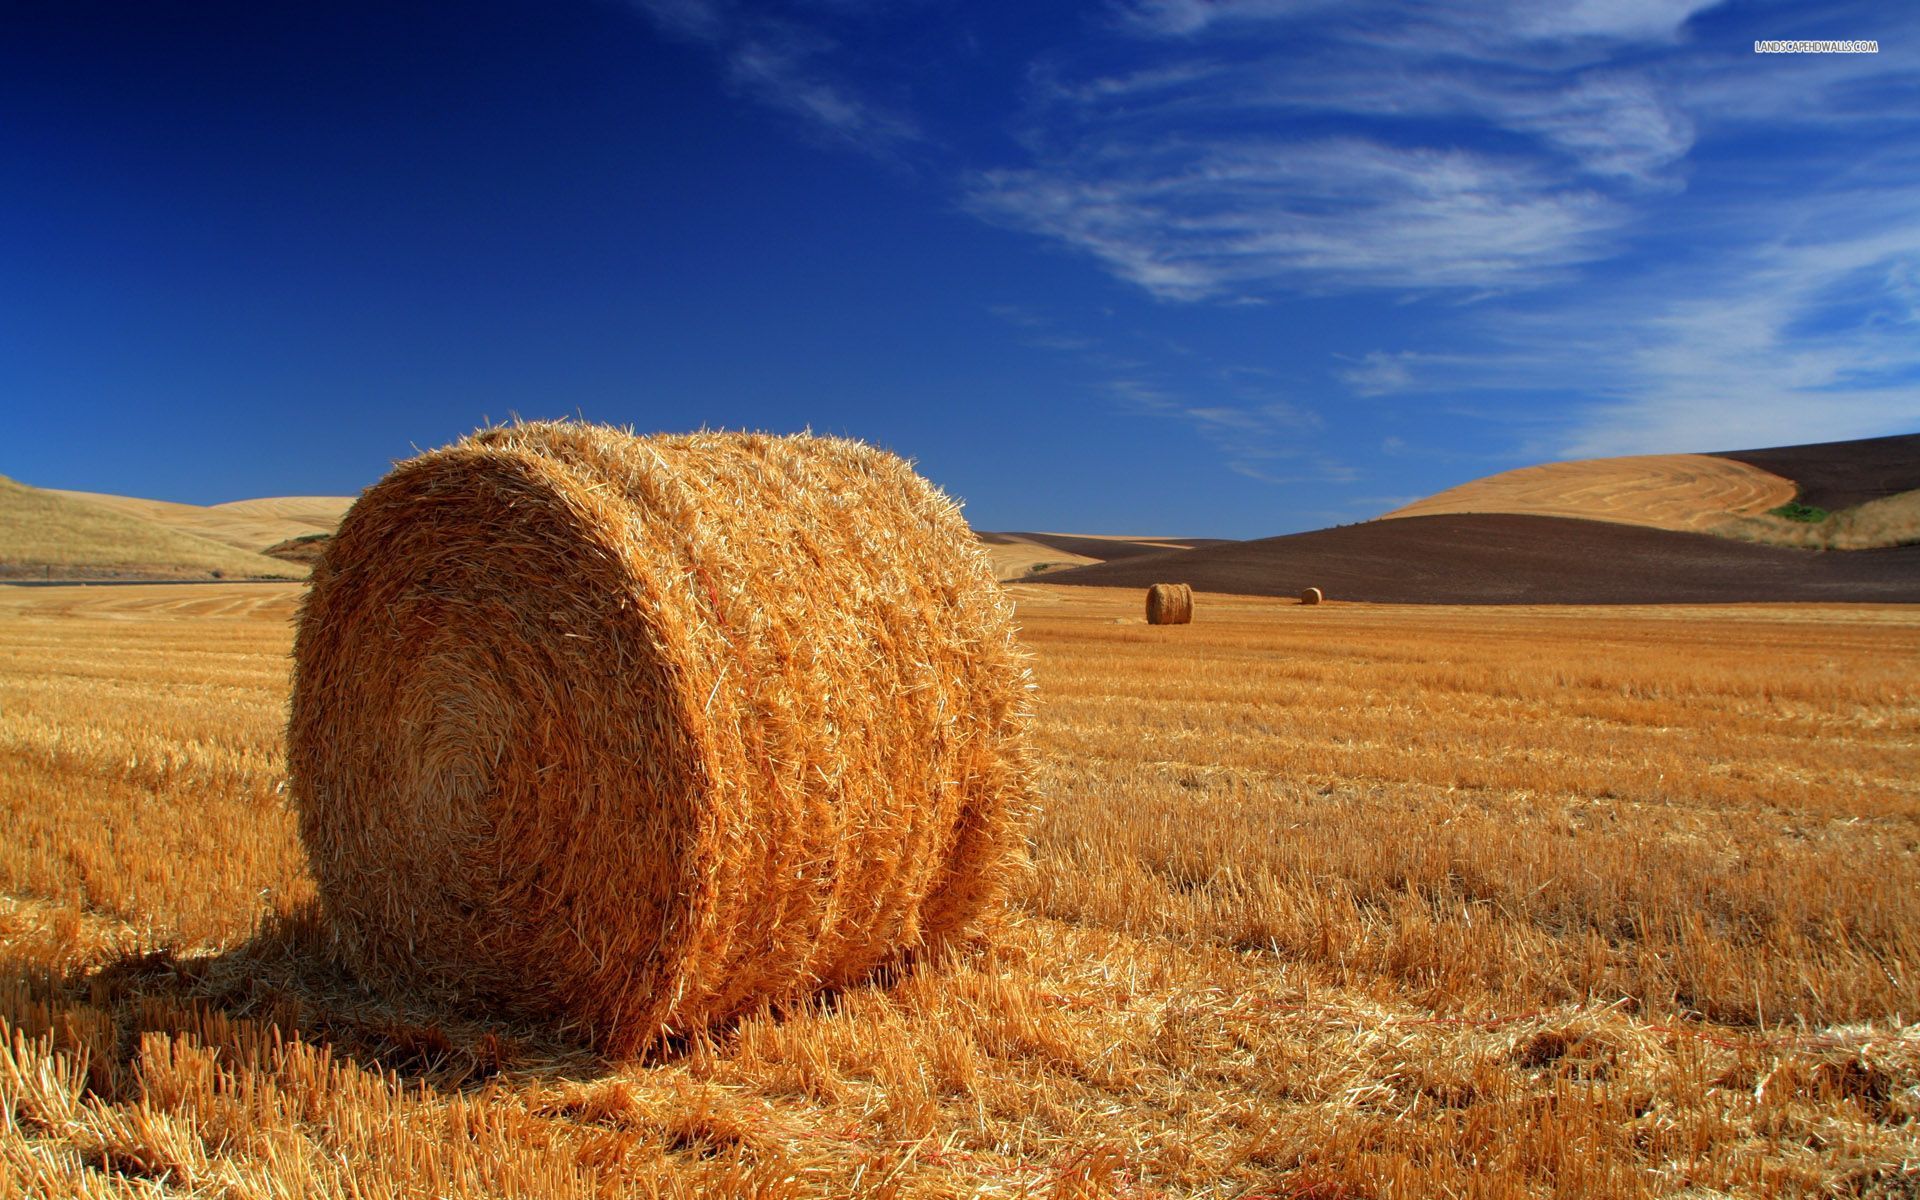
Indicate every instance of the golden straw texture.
{"type": "Point", "coordinates": [631, 733]}
{"type": "Point", "coordinates": [1169, 604]}
{"type": "Point", "coordinates": [1312, 596]}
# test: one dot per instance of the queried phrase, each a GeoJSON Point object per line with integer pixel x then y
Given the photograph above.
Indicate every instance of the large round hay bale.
{"type": "Point", "coordinates": [631, 733]}
{"type": "Point", "coordinates": [1312, 596]}
{"type": "Point", "coordinates": [1169, 604]}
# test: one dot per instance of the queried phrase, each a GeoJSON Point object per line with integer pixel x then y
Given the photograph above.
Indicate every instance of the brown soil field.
{"type": "Point", "coordinates": [1491, 558]}
{"type": "Point", "coordinates": [1837, 475]}
{"type": "Point", "coordinates": [1661, 491]}
{"type": "Point", "coordinates": [1347, 901]}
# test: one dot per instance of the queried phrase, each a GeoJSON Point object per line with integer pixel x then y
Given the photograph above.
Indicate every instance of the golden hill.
{"type": "Point", "coordinates": [1693, 493]}
{"type": "Point", "coordinates": [1016, 557]}
{"type": "Point", "coordinates": [51, 534]}
{"type": "Point", "coordinates": [250, 525]}
{"type": "Point", "coordinates": [1688, 493]}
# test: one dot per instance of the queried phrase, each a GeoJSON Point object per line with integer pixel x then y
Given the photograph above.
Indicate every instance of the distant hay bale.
{"type": "Point", "coordinates": [1312, 596]}
{"type": "Point", "coordinates": [1169, 604]}
{"type": "Point", "coordinates": [629, 734]}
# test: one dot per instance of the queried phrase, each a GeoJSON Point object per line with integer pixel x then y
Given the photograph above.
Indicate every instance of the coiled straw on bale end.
{"type": "Point", "coordinates": [1169, 604]}
{"type": "Point", "coordinates": [629, 734]}
{"type": "Point", "coordinates": [1312, 596]}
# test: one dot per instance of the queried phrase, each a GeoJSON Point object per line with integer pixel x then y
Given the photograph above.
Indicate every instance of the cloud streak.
{"type": "Point", "coordinates": [1189, 220]}
{"type": "Point", "coordinates": [1270, 146]}
{"type": "Point", "coordinates": [1767, 358]}
{"type": "Point", "coordinates": [1788, 340]}
{"type": "Point", "coordinates": [784, 65]}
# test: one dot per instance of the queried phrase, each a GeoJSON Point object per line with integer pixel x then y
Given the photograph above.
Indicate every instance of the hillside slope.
{"type": "Point", "coordinates": [1695, 492]}
{"type": "Point", "coordinates": [1835, 475]}
{"type": "Point", "coordinates": [45, 534]}
{"type": "Point", "coordinates": [1860, 494]}
{"type": "Point", "coordinates": [1519, 559]}
{"type": "Point", "coordinates": [250, 525]}
{"type": "Point", "coordinates": [1024, 555]}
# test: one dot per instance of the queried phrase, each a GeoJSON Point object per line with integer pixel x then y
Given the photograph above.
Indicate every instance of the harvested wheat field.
{"type": "Point", "coordinates": [1696, 492]}
{"type": "Point", "coordinates": [1364, 902]}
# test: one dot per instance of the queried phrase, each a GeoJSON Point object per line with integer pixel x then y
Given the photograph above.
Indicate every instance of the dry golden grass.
{"type": "Point", "coordinates": [1361, 901]}
{"type": "Point", "coordinates": [1017, 558]}
{"type": "Point", "coordinates": [52, 534]}
{"type": "Point", "coordinates": [1890, 521]}
{"type": "Point", "coordinates": [1692, 492]}
{"type": "Point", "coordinates": [255, 525]}
{"type": "Point", "coordinates": [250, 525]}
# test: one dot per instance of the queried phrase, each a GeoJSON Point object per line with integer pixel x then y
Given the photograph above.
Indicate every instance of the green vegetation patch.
{"type": "Point", "coordinates": [1796, 511]}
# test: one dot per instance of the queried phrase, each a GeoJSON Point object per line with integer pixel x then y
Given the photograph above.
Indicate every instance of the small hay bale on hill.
{"type": "Point", "coordinates": [1312, 596]}
{"type": "Point", "coordinates": [628, 734]}
{"type": "Point", "coordinates": [1169, 604]}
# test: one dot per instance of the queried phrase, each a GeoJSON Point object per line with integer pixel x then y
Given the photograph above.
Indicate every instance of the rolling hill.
{"type": "Point", "coordinates": [1507, 558]}
{"type": "Point", "coordinates": [250, 525]}
{"type": "Point", "coordinates": [1654, 529]}
{"type": "Point", "coordinates": [1862, 494]}
{"type": "Point", "coordinates": [1029, 555]}
{"type": "Point", "coordinates": [1837, 475]}
{"type": "Point", "coordinates": [1643, 529]}
{"type": "Point", "coordinates": [291, 531]}
{"type": "Point", "coordinates": [52, 535]}
{"type": "Point", "coordinates": [1694, 492]}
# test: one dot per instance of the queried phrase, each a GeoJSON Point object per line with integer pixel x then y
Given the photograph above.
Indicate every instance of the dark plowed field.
{"type": "Point", "coordinates": [1842, 474]}
{"type": "Point", "coordinates": [1507, 559]}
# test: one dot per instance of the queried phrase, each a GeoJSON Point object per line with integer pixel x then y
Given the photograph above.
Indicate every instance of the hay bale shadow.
{"type": "Point", "coordinates": [282, 986]}
{"type": "Point", "coordinates": [285, 987]}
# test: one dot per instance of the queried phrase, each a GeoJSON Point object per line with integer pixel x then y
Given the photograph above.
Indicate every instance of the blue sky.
{"type": "Point", "coordinates": [1233, 268]}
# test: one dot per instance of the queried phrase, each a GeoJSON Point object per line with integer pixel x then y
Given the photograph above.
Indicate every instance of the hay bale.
{"type": "Point", "coordinates": [630, 734]}
{"type": "Point", "coordinates": [1312, 596]}
{"type": "Point", "coordinates": [1169, 604]}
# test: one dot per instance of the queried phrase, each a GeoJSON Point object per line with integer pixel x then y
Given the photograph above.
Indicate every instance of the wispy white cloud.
{"type": "Point", "coordinates": [701, 20]}
{"type": "Point", "coordinates": [1486, 25]}
{"type": "Point", "coordinates": [1300, 145]}
{"type": "Point", "coordinates": [1379, 374]}
{"type": "Point", "coordinates": [1767, 357]}
{"type": "Point", "coordinates": [1616, 124]}
{"type": "Point", "coordinates": [1256, 433]}
{"type": "Point", "coordinates": [786, 65]}
{"type": "Point", "coordinates": [1190, 219]}
{"type": "Point", "coordinates": [1187, 17]}
{"type": "Point", "coordinates": [1611, 123]}
{"type": "Point", "coordinates": [1810, 338]}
